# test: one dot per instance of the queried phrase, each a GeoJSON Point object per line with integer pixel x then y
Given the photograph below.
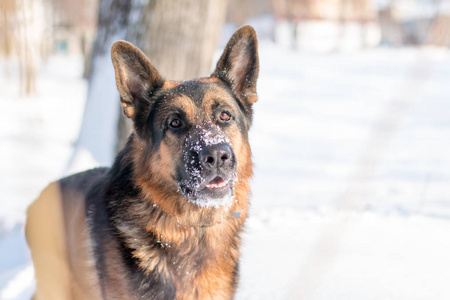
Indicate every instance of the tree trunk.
{"type": "Point", "coordinates": [439, 32]}
{"type": "Point", "coordinates": [179, 37]}
{"type": "Point", "coordinates": [95, 145]}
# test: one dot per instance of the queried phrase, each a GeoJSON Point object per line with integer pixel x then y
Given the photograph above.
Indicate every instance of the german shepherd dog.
{"type": "Point", "coordinates": [164, 222]}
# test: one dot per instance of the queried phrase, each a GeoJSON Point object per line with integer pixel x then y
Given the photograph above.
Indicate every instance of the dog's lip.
{"type": "Point", "coordinates": [217, 183]}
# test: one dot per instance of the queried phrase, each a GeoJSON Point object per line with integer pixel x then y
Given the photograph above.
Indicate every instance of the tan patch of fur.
{"type": "Point", "coordinates": [46, 239]}
{"type": "Point", "coordinates": [217, 94]}
{"type": "Point", "coordinates": [208, 79]}
{"type": "Point", "coordinates": [186, 104]}
{"type": "Point", "coordinates": [128, 110]}
{"type": "Point", "coordinates": [168, 84]}
{"type": "Point", "coordinates": [61, 246]}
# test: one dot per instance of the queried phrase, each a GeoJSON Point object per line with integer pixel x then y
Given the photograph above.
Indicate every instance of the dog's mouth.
{"type": "Point", "coordinates": [215, 192]}
{"type": "Point", "coordinates": [217, 183]}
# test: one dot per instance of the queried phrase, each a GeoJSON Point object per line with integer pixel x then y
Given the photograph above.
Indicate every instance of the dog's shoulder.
{"type": "Point", "coordinates": [84, 181]}
{"type": "Point", "coordinates": [57, 225]}
{"type": "Point", "coordinates": [66, 191]}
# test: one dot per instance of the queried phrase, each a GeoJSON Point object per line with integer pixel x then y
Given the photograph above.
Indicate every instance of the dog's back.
{"type": "Point", "coordinates": [58, 236]}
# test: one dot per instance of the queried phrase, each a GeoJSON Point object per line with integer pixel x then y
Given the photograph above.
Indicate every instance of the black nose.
{"type": "Point", "coordinates": [215, 156]}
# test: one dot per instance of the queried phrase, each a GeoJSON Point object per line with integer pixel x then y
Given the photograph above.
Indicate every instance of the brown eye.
{"type": "Point", "coordinates": [176, 123]}
{"type": "Point", "coordinates": [224, 116]}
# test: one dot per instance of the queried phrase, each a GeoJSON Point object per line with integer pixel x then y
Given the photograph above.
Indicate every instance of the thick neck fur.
{"type": "Point", "coordinates": [194, 257]}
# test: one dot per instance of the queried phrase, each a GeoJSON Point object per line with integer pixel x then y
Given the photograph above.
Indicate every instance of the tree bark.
{"type": "Point", "coordinates": [439, 32]}
{"type": "Point", "coordinates": [97, 137]}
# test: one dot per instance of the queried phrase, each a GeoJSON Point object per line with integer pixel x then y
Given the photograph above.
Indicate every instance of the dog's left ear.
{"type": "Point", "coordinates": [136, 77]}
{"type": "Point", "coordinates": [239, 65]}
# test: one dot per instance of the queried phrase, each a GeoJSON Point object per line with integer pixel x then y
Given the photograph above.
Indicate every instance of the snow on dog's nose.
{"type": "Point", "coordinates": [210, 167]}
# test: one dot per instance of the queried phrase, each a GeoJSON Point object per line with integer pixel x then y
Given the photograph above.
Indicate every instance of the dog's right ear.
{"type": "Point", "coordinates": [136, 78]}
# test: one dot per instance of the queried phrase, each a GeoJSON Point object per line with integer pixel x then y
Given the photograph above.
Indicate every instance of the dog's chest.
{"type": "Point", "coordinates": [198, 268]}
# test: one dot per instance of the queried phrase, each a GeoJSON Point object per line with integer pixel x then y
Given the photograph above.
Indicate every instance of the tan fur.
{"type": "Point", "coordinates": [168, 84]}
{"type": "Point", "coordinates": [58, 238]}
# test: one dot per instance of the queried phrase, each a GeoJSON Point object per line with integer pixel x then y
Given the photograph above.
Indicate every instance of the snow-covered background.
{"type": "Point", "coordinates": [351, 193]}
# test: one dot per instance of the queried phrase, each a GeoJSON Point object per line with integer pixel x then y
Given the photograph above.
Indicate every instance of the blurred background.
{"type": "Point", "coordinates": [350, 140]}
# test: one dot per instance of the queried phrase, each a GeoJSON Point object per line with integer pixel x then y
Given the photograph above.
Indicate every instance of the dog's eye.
{"type": "Point", "coordinates": [176, 123]}
{"type": "Point", "coordinates": [224, 116]}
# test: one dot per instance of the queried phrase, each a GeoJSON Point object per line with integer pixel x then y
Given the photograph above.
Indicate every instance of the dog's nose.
{"type": "Point", "coordinates": [215, 156]}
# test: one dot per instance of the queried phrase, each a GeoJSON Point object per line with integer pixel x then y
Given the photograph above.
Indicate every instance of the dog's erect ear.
{"type": "Point", "coordinates": [136, 78]}
{"type": "Point", "coordinates": [239, 64]}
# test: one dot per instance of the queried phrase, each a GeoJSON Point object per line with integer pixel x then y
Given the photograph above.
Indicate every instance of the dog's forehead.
{"type": "Point", "coordinates": [197, 96]}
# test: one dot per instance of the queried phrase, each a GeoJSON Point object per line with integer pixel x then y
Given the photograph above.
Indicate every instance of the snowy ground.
{"type": "Point", "coordinates": [352, 173]}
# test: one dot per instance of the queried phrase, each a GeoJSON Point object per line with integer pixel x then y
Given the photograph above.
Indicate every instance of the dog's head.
{"type": "Point", "coordinates": [191, 137]}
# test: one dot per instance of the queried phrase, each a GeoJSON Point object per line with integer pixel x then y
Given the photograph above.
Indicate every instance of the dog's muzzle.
{"type": "Point", "coordinates": [209, 172]}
